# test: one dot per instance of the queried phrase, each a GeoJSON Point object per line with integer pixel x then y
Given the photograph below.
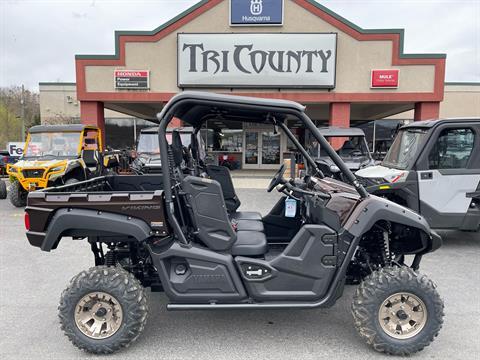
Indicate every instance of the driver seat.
{"type": "Point", "coordinates": [223, 176]}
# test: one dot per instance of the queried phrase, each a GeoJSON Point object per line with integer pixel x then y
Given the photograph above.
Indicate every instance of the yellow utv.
{"type": "Point", "coordinates": [55, 155]}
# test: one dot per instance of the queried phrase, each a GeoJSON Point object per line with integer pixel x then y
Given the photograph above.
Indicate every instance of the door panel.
{"type": "Point", "coordinates": [448, 175]}
{"type": "Point", "coordinates": [270, 148]}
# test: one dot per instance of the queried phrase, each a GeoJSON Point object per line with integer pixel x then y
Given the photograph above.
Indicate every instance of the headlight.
{"type": "Point", "coordinates": [334, 168]}
{"type": "Point", "coordinates": [58, 168]}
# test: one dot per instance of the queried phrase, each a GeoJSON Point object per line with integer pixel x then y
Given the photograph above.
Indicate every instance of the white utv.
{"type": "Point", "coordinates": [433, 167]}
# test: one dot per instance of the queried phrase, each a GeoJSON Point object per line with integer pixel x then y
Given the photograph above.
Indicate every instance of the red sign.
{"type": "Point", "coordinates": [130, 73]}
{"type": "Point", "coordinates": [131, 79]}
{"type": "Point", "coordinates": [385, 78]}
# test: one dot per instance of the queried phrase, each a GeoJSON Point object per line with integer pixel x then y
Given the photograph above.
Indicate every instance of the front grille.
{"type": "Point", "coordinates": [33, 173]}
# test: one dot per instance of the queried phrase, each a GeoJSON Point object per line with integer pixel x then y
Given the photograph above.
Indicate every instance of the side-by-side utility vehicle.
{"type": "Point", "coordinates": [55, 155]}
{"type": "Point", "coordinates": [147, 153]}
{"type": "Point", "coordinates": [353, 151]}
{"type": "Point", "coordinates": [181, 232]}
{"type": "Point", "coordinates": [433, 168]}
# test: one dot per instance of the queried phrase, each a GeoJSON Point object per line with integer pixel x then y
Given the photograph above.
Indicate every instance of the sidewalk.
{"type": "Point", "coordinates": [252, 179]}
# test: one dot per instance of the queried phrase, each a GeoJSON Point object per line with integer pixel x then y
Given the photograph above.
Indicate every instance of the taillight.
{"type": "Point", "coordinates": [27, 221]}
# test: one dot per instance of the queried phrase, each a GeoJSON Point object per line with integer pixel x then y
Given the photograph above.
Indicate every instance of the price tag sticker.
{"type": "Point", "coordinates": [290, 207]}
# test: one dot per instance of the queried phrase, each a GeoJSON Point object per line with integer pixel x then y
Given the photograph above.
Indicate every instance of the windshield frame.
{"type": "Point", "coordinates": [47, 156]}
{"type": "Point", "coordinates": [409, 161]}
{"type": "Point", "coordinates": [184, 136]}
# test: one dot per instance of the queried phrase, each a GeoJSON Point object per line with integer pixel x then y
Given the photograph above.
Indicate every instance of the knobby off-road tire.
{"type": "Point", "coordinates": [377, 289]}
{"type": "Point", "coordinates": [18, 195]}
{"type": "Point", "coordinates": [104, 282]}
{"type": "Point", "coordinates": [3, 189]}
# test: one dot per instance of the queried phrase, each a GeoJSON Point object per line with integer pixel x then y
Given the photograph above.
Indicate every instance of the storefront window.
{"type": "Point", "coordinates": [220, 136]}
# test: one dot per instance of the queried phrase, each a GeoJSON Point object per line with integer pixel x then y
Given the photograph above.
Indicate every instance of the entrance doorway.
{"type": "Point", "coordinates": [262, 149]}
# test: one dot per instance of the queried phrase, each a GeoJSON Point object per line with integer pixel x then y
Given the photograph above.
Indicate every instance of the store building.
{"type": "Point", "coordinates": [293, 49]}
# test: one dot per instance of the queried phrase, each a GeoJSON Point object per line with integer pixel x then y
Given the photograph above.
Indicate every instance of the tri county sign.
{"type": "Point", "coordinates": [257, 60]}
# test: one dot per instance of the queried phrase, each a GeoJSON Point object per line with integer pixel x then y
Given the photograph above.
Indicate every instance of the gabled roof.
{"type": "Point", "coordinates": [308, 4]}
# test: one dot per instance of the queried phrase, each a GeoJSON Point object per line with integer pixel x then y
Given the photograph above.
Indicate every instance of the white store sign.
{"type": "Point", "coordinates": [257, 60]}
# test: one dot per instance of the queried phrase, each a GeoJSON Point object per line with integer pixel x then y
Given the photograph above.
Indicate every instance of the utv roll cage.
{"type": "Point", "coordinates": [194, 108]}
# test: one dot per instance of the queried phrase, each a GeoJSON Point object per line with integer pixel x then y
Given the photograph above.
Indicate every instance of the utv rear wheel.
{"type": "Point", "coordinates": [103, 309]}
{"type": "Point", "coordinates": [18, 195]}
{"type": "Point", "coordinates": [397, 310]}
{"type": "Point", "coordinates": [3, 189]}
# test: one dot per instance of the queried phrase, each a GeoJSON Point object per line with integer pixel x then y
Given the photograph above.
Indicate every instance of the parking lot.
{"type": "Point", "coordinates": [31, 283]}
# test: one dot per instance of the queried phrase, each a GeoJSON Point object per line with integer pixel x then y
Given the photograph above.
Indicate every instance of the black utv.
{"type": "Point", "coordinates": [147, 153]}
{"type": "Point", "coordinates": [181, 233]}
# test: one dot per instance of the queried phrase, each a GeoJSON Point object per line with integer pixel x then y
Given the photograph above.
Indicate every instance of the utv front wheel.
{"type": "Point", "coordinates": [3, 189]}
{"type": "Point", "coordinates": [103, 309]}
{"type": "Point", "coordinates": [397, 310]}
{"type": "Point", "coordinates": [18, 195]}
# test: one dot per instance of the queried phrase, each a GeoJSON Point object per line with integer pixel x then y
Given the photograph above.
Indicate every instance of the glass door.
{"type": "Point", "coordinates": [250, 160]}
{"type": "Point", "coordinates": [262, 150]}
{"type": "Point", "coordinates": [271, 151]}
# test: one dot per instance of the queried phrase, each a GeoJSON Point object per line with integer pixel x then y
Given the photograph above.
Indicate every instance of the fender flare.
{"type": "Point", "coordinates": [84, 222]}
{"type": "Point", "coordinates": [376, 208]}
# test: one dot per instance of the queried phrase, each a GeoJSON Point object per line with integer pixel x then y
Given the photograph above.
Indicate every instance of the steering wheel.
{"type": "Point", "coordinates": [277, 179]}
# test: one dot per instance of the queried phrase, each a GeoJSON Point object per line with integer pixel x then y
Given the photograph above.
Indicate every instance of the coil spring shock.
{"type": "Point", "coordinates": [386, 254]}
{"type": "Point", "coordinates": [110, 258]}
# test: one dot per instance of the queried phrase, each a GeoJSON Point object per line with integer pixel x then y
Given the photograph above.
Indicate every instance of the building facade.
{"type": "Point", "coordinates": [345, 75]}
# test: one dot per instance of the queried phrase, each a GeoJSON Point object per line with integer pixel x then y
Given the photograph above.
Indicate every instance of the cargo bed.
{"type": "Point", "coordinates": [136, 198]}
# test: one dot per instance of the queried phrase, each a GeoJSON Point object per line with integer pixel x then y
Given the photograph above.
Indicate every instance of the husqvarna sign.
{"type": "Point", "coordinates": [256, 12]}
{"type": "Point", "coordinates": [257, 60]}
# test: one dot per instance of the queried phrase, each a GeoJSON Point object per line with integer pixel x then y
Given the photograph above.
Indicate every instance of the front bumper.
{"type": "Point", "coordinates": [435, 241]}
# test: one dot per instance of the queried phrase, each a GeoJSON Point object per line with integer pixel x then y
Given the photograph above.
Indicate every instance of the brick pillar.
{"type": "Point", "coordinates": [426, 110]}
{"type": "Point", "coordinates": [92, 113]}
{"type": "Point", "coordinates": [339, 117]}
{"type": "Point", "coordinates": [174, 123]}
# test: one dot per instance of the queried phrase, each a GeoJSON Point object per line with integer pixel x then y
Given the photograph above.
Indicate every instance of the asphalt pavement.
{"type": "Point", "coordinates": [31, 282]}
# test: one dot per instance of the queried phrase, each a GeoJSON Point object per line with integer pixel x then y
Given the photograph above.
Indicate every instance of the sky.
{"type": "Point", "coordinates": [39, 38]}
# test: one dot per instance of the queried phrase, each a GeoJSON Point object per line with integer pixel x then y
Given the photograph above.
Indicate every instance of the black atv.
{"type": "Point", "coordinates": [181, 232]}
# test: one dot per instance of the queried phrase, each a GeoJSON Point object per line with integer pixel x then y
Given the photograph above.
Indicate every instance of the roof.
{"type": "Point", "coordinates": [197, 106]}
{"type": "Point", "coordinates": [154, 130]}
{"type": "Point", "coordinates": [59, 128]}
{"type": "Point", "coordinates": [432, 123]}
{"type": "Point", "coordinates": [235, 99]}
{"type": "Point", "coordinates": [336, 131]}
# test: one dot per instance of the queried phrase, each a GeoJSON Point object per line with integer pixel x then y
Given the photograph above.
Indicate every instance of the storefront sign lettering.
{"type": "Point", "coordinates": [283, 60]}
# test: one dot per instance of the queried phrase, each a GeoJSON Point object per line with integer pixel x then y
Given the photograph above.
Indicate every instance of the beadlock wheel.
{"type": "Point", "coordinates": [98, 315]}
{"type": "Point", "coordinates": [402, 315]}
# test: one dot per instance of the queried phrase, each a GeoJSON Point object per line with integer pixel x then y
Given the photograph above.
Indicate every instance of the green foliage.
{"type": "Point", "coordinates": [10, 126]}
{"type": "Point", "coordinates": [11, 111]}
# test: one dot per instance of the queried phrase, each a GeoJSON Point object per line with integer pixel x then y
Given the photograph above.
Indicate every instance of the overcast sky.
{"type": "Point", "coordinates": [40, 38]}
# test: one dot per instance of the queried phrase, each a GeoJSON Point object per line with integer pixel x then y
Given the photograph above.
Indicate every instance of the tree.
{"type": "Point", "coordinates": [11, 110]}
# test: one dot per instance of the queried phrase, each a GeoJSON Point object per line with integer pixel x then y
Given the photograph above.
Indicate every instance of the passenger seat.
{"type": "Point", "coordinates": [213, 227]}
